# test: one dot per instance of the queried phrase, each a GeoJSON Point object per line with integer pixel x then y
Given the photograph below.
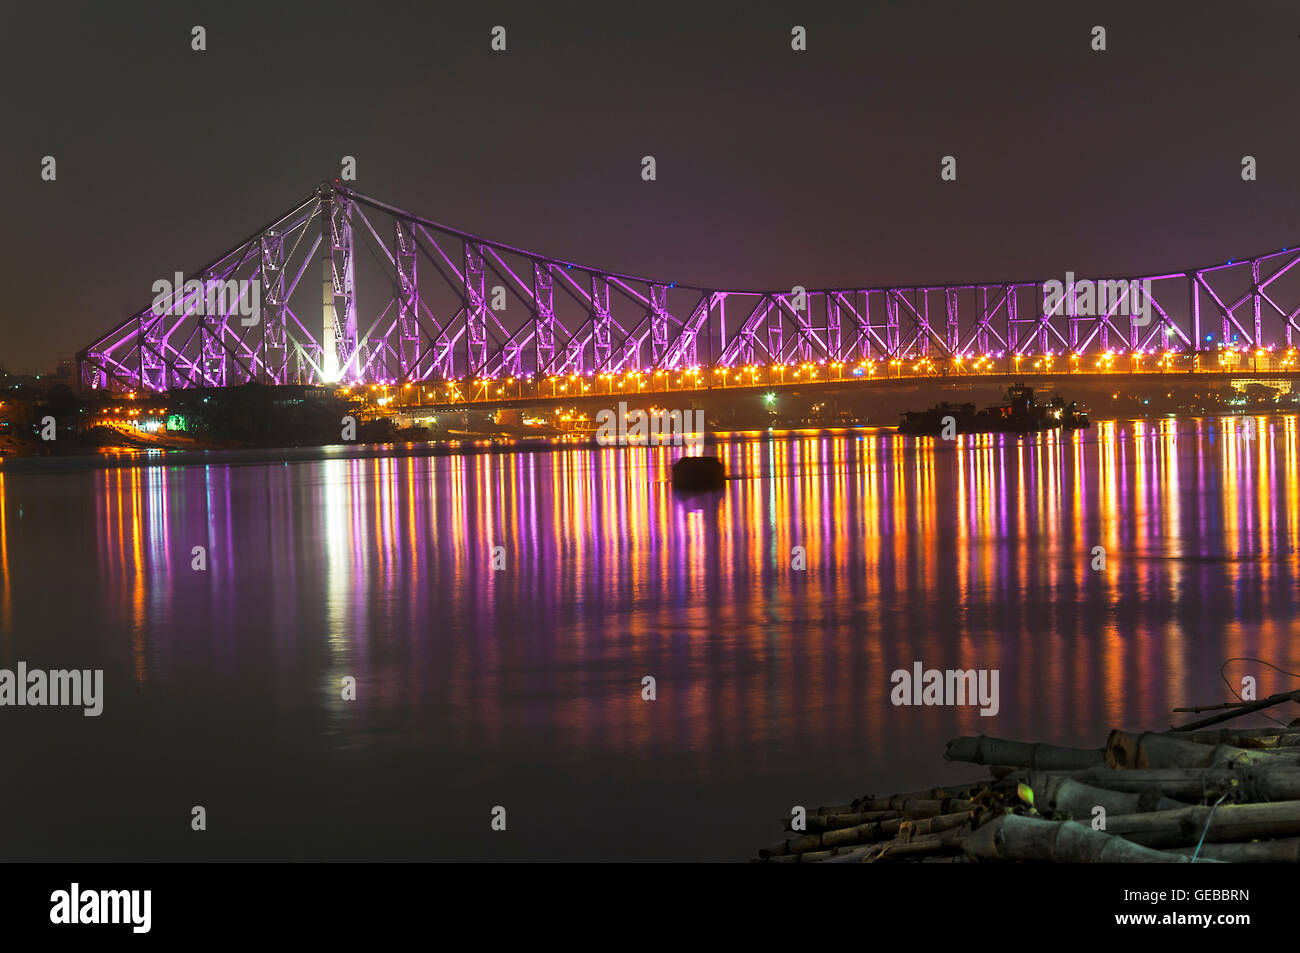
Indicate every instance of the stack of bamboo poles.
{"type": "Point", "coordinates": [1224, 795]}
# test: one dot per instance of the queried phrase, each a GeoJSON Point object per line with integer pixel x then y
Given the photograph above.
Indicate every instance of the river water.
{"type": "Point", "coordinates": [522, 687]}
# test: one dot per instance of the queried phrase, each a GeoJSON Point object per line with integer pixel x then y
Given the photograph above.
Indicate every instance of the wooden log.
{"type": "Point", "coordinates": [814, 856]}
{"type": "Point", "coordinates": [852, 856]}
{"type": "Point", "coordinates": [859, 834]}
{"type": "Point", "coordinates": [1065, 795]}
{"type": "Point", "coordinates": [1024, 754]}
{"type": "Point", "coordinates": [1268, 702]}
{"type": "Point", "coordinates": [820, 840]}
{"type": "Point", "coordinates": [1211, 733]}
{"type": "Point", "coordinates": [1282, 850]}
{"type": "Point", "coordinates": [850, 808]}
{"type": "Point", "coordinates": [1244, 738]}
{"type": "Point", "coordinates": [918, 807]}
{"type": "Point", "coordinates": [830, 822]}
{"type": "Point", "coordinates": [1188, 785]}
{"type": "Point", "coordinates": [1014, 837]}
{"type": "Point", "coordinates": [910, 830]}
{"type": "Point", "coordinates": [1270, 782]}
{"type": "Point", "coordinates": [908, 806]}
{"type": "Point", "coordinates": [912, 806]}
{"type": "Point", "coordinates": [883, 830]}
{"type": "Point", "coordinates": [872, 803]}
{"type": "Point", "coordinates": [876, 830]}
{"type": "Point", "coordinates": [1231, 822]}
{"type": "Point", "coordinates": [948, 841]}
{"type": "Point", "coordinates": [945, 859]}
{"type": "Point", "coordinates": [1151, 749]}
{"type": "Point", "coordinates": [1274, 783]}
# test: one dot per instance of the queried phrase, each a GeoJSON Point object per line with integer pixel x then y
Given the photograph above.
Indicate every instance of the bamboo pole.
{"type": "Point", "coordinates": [1065, 795]}
{"type": "Point", "coordinates": [1017, 838]}
{"type": "Point", "coordinates": [911, 806]}
{"type": "Point", "coordinates": [1230, 822]}
{"type": "Point", "coordinates": [862, 833]}
{"type": "Point", "coordinates": [852, 856]}
{"type": "Point", "coordinates": [1268, 702]}
{"type": "Point", "coordinates": [1274, 737]}
{"type": "Point", "coordinates": [945, 859]}
{"type": "Point", "coordinates": [1181, 785]}
{"type": "Point", "coordinates": [1200, 708]}
{"type": "Point", "coordinates": [915, 848]}
{"type": "Point", "coordinates": [830, 822]}
{"type": "Point", "coordinates": [911, 830]}
{"type": "Point", "coordinates": [1042, 757]}
{"type": "Point", "coordinates": [1158, 750]}
{"type": "Point", "coordinates": [872, 803]}
{"type": "Point", "coordinates": [1266, 782]}
{"type": "Point", "coordinates": [1283, 850]}
{"type": "Point", "coordinates": [815, 856]}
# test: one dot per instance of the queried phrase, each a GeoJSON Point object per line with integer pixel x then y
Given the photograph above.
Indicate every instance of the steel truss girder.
{"type": "Point", "coordinates": [275, 342]}
{"type": "Point", "coordinates": [405, 258]}
{"type": "Point", "coordinates": [475, 309]}
{"type": "Point", "coordinates": [544, 317]}
{"type": "Point", "coordinates": [345, 302]}
{"type": "Point", "coordinates": [601, 320]}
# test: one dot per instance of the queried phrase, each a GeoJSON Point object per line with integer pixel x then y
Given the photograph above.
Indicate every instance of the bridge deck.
{"type": "Point", "coordinates": [525, 393]}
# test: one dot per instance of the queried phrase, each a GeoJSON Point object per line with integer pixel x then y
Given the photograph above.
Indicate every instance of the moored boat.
{"type": "Point", "coordinates": [1020, 413]}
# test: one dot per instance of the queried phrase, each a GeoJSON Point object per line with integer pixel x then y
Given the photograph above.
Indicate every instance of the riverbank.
{"type": "Point", "coordinates": [112, 457]}
{"type": "Point", "coordinates": [119, 448]}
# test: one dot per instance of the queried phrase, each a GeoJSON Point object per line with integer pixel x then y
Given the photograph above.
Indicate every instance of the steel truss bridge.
{"type": "Point", "coordinates": [398, 299]}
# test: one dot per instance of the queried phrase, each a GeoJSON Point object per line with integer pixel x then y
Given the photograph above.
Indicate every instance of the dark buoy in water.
{"type": "Point", "coordinates": [697, 474]}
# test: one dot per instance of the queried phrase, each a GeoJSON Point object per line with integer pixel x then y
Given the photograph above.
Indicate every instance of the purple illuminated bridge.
{"type": "Point", "coordinates": [345, 289]}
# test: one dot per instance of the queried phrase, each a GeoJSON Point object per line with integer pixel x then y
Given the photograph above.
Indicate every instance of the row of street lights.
{"type": "Point", "coordinates": [756, 375]}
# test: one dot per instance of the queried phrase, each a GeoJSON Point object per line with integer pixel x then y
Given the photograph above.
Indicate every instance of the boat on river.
{"type": "Point", "coordinates": [1020, 412]}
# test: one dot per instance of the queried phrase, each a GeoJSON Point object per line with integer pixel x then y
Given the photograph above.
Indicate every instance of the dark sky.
{"type": "Point", "coordinates": [775, 168]}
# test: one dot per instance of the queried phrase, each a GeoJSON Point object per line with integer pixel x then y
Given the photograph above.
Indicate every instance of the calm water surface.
{"type": "Point", "coordinates": [522, 687]}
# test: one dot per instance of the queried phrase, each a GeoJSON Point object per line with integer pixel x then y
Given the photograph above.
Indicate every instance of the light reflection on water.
{"type": "Point", "coordinates": [522, 687]}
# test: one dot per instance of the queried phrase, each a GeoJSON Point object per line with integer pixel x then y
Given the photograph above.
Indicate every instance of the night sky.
{"type": "Point", "coordinates": [775, 167]}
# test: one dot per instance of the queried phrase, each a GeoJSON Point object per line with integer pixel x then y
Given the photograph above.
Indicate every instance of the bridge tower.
{"type": "Point", "coordinates": [339, 357]}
